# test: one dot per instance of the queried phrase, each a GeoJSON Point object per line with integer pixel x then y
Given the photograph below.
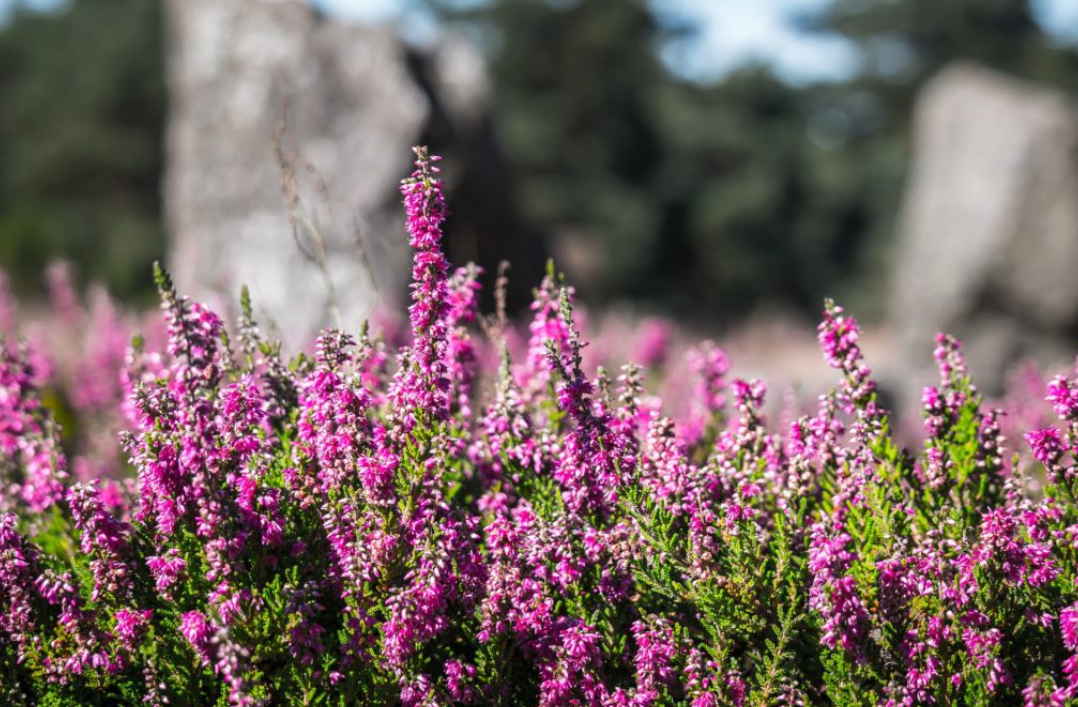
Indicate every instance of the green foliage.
{"type": "Point", "coordinates": [724, 195]}
{"type": "Point", "coordinates": [81, 141]}
{"type": "Point", "coordinates": [712, 196]}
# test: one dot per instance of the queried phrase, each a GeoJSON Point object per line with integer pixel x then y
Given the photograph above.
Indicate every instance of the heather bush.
{"type": "Point", "coordinates": [462, 519]}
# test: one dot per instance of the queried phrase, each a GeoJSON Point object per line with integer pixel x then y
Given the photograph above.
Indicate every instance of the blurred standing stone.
{"type": "Point", "coordinates": [352, 100]}
{"type": "Point", "coordinates": [988, 245]}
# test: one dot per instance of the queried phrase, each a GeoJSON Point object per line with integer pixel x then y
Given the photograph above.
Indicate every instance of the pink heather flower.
{"type": "Point", "coordinates": [949, 359]}
{"type": "Point", "coordinates": [233, 659]}
{"type": "Point", "coordinates": [424, 202]}
{"type": "Point", "coordinates": [29, 439]}
{"type": "Point", "coordinates": [735, 689]}
{"type": "Point", "coordinates": [1068, 626]}
{"type": "Point", "coordinates": [548, 332]}
{"type": "Point", "coordinates": [419, 610]}
{"type": "Point", "coordinates": [834, 593]}
{"type": "Point", "coordinates": [104, 538]}
{"type": "Point", "coordinates": [417, 692]}
{"type": "Point", "coordinates": [665, 468]}
{"type": "Point", "coordinates": [1047, 446]}
{"type": "Point", "coordinates": [573, 671]}
{"type": "Point", "coordinates": [333, 426]}
{"type": "Point", "coordinates": [935, 469]}
{"type": "Point", "coordinates": [656, 651]}
{"type": "Point", "coordinates": [1039, 692]}
{"type": "Point", "coordinates": [653, 343]}
{"type": "Point", "coordinates": [194, 333]}
{"type": "Point", "coordinates": [711, 365]}
{"type": "Point", "coordinates": [423, 383]}
{"type": "Point", "coordinates": [305, 636]}
{"type": "Point", "coordinates": [231, 603]}
{"type": "Point", "coordinates": [839, 336]}
{"type": "Point", "coordinates": [376, 470]}
{"type": "Point", "coordinates": [130, 626]}
{"type": "Point", "coordinates": [941, 409]}
{"type": "Point", "coordinates": [600, 448]}
{"type": "Point", "coordinates": [20, 571]}
{"type": "Point", "coordinates": [749, 394]}
{"type": "Point", "coordinates": [198, 632]}
{"type": "Point", "coordinates": [1002, 549]}
{"type": "Point", "coordinates": [166, 570]}
{"type": "Point", "coordinates": [461, 354]}
{"type": "Point", "coordinates": [458, 675]}
{"type": "Point", "coordinates": [1064, 398]}
{"type": "Point", "coordinates": [992, 450]}
{"type": "Point", "coordinates": [983, 647]}
{"type": "Point", "coordinates": [1070, 670]}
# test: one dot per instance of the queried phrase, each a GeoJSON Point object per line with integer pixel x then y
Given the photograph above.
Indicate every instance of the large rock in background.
{"type": "Point", "coordinates": [988, 244]}
{"type": "Point", "coordinates": [254, 80]}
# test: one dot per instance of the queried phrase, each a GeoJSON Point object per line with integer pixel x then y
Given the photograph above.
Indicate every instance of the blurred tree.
{"type": "Point", "coordinates": [904, 41]}
{"type": "Point", "coordinates": [81, 151]}
{"type": "Point", "coordinates": [576, 85]}
{"type": "Point", "coordinates": [718, 198]}
{"type": "Point", "coordinates": [711, 199]}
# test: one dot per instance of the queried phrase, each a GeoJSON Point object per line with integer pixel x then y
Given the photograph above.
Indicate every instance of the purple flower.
{"type": "Point", "coordinates": [1068, 626]}
{"type": "Point", "coordinates": [458, 675]}
{"type": "Point", "coordinates": [461, 355]}
{"type": "Point", "coordinates": [949, 359]}
{"type": "Point", "coordinates": [1047, 446]}
{"type": "Point", "coordinates": [198, 632]}
{"type": "Point", "coordinates": [839, 335]}
{"type": "Point", "coordinates": [29, 439]}
{"type": "Point", "coordinates": [655, 654]}
{"type": "Point", "coordinates": [333, 426]}
{"type": "Point", "coordinates": [983, 647]}
{"type": "Point", "coordinates": [834, 594]}
{"type": "Point", "coordinates": [104, 539]}
{"type": "Point", "coordinates": [131, 625]}
{"type": "Point", "coordinates": [166, 570]}
{"type": "Point", "coordinates": [710, 365]}
{"type": "Point", "coordinates": [422, 384]}
{"type": "Point", "coordinates": [1064, 398]}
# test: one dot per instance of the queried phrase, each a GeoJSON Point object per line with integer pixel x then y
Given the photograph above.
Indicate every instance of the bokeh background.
{"type": "Point", "coordinates": [713, 161]}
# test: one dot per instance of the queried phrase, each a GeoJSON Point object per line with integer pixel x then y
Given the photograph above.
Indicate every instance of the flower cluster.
{"type": "Point", "coordinates": [450, 518]}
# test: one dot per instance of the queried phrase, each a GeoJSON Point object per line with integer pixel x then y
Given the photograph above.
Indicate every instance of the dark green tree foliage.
{"type": "Point", "coordinates": [576, 88]}
{"type": "Point", "coordinates": [727, 195]}
{"type": "Point", "coordinates": [81, 131]}
{"type": "Point", "coordinates": [907, 40]}
{"type": "Point", "coordinates": [903, 43]}
{"type": "Point", "coordinates": [702, 197]}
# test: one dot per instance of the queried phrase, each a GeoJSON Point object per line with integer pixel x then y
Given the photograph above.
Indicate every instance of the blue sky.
{"type": "Point", "coordinates": [732, 32]}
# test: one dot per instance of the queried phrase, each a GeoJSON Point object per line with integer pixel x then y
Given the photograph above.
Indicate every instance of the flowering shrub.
{"type": "Point", "coordinates": [371, 526]}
